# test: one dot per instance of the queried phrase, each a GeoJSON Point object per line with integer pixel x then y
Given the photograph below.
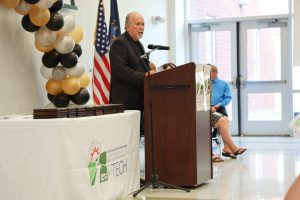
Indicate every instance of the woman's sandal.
{"type": "Point", "coordinates": [240, 151]}
{"type": "Point", "coordinates": [229, 155]}
{"type": "Point", "coordinates": [217, 159]}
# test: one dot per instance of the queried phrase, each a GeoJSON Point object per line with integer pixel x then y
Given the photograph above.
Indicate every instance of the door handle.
{"type": "Point", "coordinates": [232, 82]}
{"type": "Point", "coordinates": [238, 82]}
{"type": "Point", "coordinates": [243, 82]}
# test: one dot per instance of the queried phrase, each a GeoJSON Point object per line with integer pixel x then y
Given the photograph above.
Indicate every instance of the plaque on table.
{"type": "Point", "coordinates": [50, 113]}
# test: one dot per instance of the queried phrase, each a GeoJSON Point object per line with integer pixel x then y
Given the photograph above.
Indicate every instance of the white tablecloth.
{"type": "Point", "coordinates": [85, 158]}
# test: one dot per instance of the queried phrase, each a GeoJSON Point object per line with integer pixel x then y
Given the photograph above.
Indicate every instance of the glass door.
{"type": "Point", "coordinates": [215, 43]}
{"type": "Point", "coordinates": [265, 105]}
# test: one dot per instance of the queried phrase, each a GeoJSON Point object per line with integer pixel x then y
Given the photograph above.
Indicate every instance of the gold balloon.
{"type": "Point", "coordinates": [77, 34]}
{"type": "Point", "coordinates": [10, 3]}
{"type": "Point", "coordinates": [43, 48]}
{"type": "Point", "coordinates": [84, 80]}
{"type": "Point", "coordinates": [54, 87]}
{"type": "Point", "coordinates": [70, 85]}
{"type": "Point", "coordinates": [38, 16]}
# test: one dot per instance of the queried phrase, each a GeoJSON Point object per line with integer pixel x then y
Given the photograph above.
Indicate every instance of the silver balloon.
{"type": "Point", "coordinates": [45, 37]}
{"type": "Point", "coordinates": [46, 72]}
{"type": "Point", "coordinates": [23, 7]}
{"type": "Point", "coordinates": [69, 24]}
{"type": "Point", "coordinates": [76, 71]}
{"type": "Point", "coordinates": [44, 4]}
{"type": "Point", "coordinates": [64, 44]}
{"type": "Point", "coordinates": [59, 73]}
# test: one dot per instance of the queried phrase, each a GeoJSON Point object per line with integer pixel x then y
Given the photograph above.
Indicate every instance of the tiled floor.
{"type": "Point", "coordinates": [265, 171]}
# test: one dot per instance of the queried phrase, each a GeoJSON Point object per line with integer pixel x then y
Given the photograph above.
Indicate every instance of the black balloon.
{"type": "Point", "coordinates": [32, 1]}
{"type": "Point", "coordinates": [50, 97]}
{"type": "Point", "coordinates": [61, 100]}
{"type": "Point", "coordinates": [77, 49]}
{"type": "Point", "coordinates": [69, 60]}
{"type": "Point", "coordinates": [56, 21]}
{"type": "Point", "coordinates": [81, 97]}
{"type": "Point", "coordinates": [51, 59]}
{"type": "Point", "coordinates": [56, 6]}
{"type": "Point", "coordinates": [28, 25]}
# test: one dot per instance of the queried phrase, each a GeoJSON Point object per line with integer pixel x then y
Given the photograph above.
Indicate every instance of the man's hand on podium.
{"type": "Point", "coordinates": [151, 72]}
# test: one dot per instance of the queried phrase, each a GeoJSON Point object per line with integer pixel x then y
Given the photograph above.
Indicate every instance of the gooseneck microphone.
{"type": "Point", "coordinates": [158, 47]}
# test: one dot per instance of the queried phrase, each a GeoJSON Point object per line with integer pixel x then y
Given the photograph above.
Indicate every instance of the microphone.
{"type": "Point", "coordinates": [158, 47]}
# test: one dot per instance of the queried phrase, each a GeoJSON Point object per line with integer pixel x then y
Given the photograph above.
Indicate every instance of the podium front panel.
{"type": "Point", "coordinates": [181, 134]}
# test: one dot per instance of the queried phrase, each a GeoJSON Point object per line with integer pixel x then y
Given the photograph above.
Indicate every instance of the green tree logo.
{"type": "Point", "coordinates": [98, 161]}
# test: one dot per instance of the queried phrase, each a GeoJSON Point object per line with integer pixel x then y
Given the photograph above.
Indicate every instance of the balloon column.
{"type": "Point", "coordinates": [58, 37]}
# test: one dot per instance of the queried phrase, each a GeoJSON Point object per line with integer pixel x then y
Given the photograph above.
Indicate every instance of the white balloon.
{"type": "Point", "coordinates": [76, 71]}
{"type": "Point", "coordinates": [44, 4]}
{"type": "Point", "coordinates": [46, 72]}
{"type": "Point", "coordinates": [69, 24]}
{"type": "Point", "coordinates": [59, 73]}
{"type": "Point", "coordinates": [24, 7]}
{"type": "Point", "coordinates": [64, 44]}
{"type": "Point", "coordinates": [45, 37]}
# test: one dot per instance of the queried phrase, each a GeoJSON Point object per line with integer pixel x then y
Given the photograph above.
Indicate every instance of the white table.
{"type": "Point", "coordinates": [49, 159]}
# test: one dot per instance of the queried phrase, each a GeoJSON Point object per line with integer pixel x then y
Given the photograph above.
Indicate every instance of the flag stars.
{"type": "Point", "coordinates": [102, 41]}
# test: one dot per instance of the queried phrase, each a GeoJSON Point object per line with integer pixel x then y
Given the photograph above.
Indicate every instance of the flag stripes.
{"type": "Point", "coordinates": [101, 72]}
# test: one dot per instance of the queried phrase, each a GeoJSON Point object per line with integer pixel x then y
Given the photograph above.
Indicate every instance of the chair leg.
{"type": "Point", "coordinates": [220, 144]}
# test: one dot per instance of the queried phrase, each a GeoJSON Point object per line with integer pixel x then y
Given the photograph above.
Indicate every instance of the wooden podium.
{"type": "Point", "coordinates": [181, 134]}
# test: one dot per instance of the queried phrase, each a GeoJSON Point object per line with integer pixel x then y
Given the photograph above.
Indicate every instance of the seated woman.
{"type": "Point", "coordinates": [221, 122]}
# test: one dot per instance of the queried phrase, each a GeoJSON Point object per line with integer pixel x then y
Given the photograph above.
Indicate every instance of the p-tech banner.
{"type": "Point", "coordinates": [90, 158]}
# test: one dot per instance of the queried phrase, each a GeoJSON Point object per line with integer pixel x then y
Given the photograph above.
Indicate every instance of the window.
{"type": "Point", "coordinates": [200, 9]}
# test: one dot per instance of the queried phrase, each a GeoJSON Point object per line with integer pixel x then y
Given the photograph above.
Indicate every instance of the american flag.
{"type": "Point", "coordinates": [101, 72]}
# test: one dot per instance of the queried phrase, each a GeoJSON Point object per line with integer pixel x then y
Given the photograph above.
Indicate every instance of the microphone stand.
{"type": "Point", "coordinates": [154, 177]}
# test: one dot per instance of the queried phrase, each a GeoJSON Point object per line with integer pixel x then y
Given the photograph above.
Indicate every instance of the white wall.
{"type": "Point", "coordinates": [21, 85]}
{"type": "Point", "coordinates": [296, 33]}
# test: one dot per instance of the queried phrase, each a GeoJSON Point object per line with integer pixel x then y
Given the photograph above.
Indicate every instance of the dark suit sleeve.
{"type": "Point", "coordinates": [125, 64]}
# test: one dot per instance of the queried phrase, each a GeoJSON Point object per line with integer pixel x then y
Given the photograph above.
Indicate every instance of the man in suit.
{"type": "Point", "coordinates": [128, 69]}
